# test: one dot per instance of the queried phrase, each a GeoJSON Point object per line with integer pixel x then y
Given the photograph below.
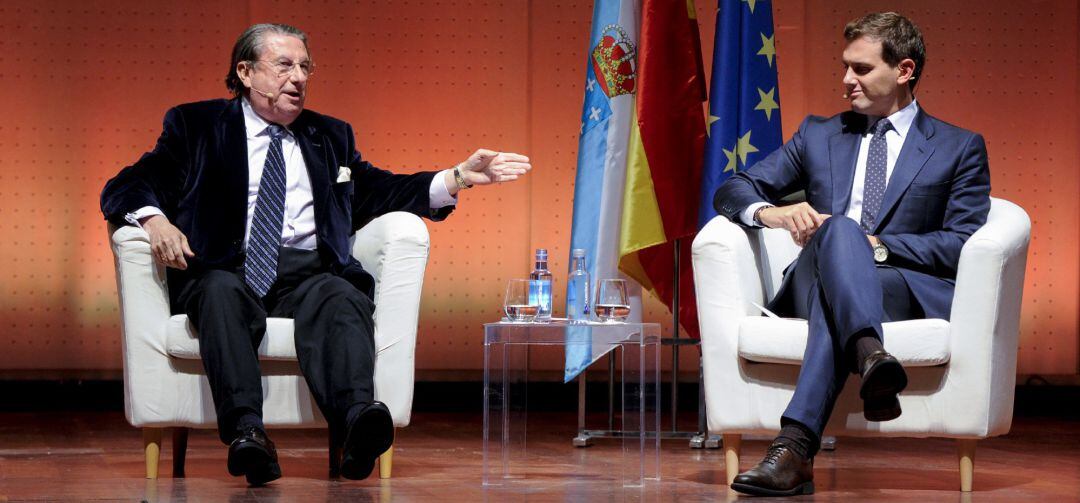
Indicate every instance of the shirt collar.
{"type": "Point", "coordinates": [901, 119]}
{"type": "Point", "coordinates": [255, 125]}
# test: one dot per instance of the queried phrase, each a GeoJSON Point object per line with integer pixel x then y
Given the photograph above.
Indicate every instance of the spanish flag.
{"type": "Point", "coordinates": [665, 155]}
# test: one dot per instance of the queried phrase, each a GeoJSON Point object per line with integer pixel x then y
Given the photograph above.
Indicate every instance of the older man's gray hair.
{"type": "Point", "coordinates": [249, 45]}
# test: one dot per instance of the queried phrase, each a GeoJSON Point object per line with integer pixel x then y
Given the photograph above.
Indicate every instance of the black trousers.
{"type": "Point", "coordinates": [334, 334]}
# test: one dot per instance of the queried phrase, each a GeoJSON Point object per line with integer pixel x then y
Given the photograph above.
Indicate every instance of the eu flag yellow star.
{"type": "Point", "coordinates": [742, 149]}
{"type": "Point", "coordinates": [768, 47]}
{"type": "Point", "coordinates": [709, 123]}
{"type": "Point", "coordinates": [768, 102]}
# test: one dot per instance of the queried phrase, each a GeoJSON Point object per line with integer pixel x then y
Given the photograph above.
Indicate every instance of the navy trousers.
{"type": "Point", "coordinates": [835, 285]}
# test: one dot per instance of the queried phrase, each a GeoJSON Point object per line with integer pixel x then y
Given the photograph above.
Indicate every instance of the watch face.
{"type": "Point", "coordinates": [880, 253]}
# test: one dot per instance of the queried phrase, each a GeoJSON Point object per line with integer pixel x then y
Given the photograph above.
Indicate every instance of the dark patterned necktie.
{"type": "Point", "coordinates": [874, 184]}
{"type": "Point", "coordinates": [264, 242]}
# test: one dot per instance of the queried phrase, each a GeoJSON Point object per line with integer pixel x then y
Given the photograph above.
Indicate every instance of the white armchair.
{"type": "Point", "coordinates": [164, 381]}
{"type": "Point", "coordinates": [962, 372]}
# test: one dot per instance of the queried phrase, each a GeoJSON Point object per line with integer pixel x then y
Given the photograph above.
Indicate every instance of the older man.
{"type": "Point", "coordinates": [892, 195]}
{"type": "Point", "coordinates": [250, 202]}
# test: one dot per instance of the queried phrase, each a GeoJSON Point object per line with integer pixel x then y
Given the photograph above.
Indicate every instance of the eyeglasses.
{"type": "Point", "coordinates": [284, 68]}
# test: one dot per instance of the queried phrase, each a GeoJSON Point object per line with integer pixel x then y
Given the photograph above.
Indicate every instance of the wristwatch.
{"type": "Point", "coordinates": [881, 253]}
{"type": "Point", "coordinates": [459, 179]}
{"type": "Point", "coordinates": [757, 215]}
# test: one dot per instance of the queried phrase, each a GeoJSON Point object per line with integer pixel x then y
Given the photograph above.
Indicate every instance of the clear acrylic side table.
{"type": "Point", "coordinates": [636, 350]}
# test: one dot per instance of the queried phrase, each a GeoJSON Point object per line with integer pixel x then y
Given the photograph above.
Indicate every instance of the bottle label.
{"type": "Point", "coordinates": [577, 297]}
{"type": "Point", "coordinates": [540, 294]}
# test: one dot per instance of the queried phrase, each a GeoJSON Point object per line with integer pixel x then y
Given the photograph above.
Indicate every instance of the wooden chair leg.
{"type": "Point", "coordinates": [386, 463]}
{"type": "Point", "coordinates": [152, 448]}
{"type": "Point", "coordinates": [732, 443]}
{"type": "Point", "coordinates": [966, 454]}
{"type": "Point", "coordinates": [179, 451]}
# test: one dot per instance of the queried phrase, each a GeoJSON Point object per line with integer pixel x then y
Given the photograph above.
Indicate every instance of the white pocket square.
{"type": "Point", "coordinates": [344, 174]}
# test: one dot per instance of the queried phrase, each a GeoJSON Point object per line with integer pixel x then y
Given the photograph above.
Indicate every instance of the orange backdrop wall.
{"type": "Point", "coordinates": [426, 82]}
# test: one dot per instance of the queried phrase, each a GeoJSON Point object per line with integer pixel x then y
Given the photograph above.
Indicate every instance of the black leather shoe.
{"type": "Point", "coordinates": [783, 472]}
{"type": "Point", "coordinates": [253, 455]}
{"type": "Point", "coordinates": [366, 438]}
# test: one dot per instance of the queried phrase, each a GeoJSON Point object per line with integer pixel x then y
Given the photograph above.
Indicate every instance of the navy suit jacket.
{"type": "Point", "coordinates": [197, 174]}
{"type": "Point", "coordinates": [937, 196]}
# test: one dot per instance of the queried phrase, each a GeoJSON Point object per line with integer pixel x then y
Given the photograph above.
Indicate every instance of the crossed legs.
{"type": "Point", "coordinates": [845, 297]}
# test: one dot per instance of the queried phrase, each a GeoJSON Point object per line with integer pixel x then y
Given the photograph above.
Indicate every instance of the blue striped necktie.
{"type": "Point", "coordinates": [874, 183]}
{"type": "Point", "coordinates": [264, 242]}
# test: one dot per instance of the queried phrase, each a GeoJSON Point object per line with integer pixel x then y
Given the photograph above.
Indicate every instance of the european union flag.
{"type": "Point", "coordinates": [744, 102]}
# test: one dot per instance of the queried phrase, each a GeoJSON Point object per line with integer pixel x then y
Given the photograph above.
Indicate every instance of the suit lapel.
{"type": "Point", "coordinates": [313, 146]}
{"type": "Point", "coordinates": [913, 156]}
{"type": "Point", "coordinates": [232, 141]}
{"type": "Point", "coordinates": [843, 152]}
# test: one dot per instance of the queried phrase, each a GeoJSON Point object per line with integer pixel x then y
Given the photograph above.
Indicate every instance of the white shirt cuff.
{"type": "Point", "coordinates": [747, 216]}
{"type": "Point", "coordinates": [438, 195]}
{"type": "Point", "coordinates": [141, 213]}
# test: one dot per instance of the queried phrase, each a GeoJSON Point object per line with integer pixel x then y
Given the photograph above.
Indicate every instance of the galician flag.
{"type": "Point", "coordinates": [744, 101]}
{"type": "Point", "coordinates": [610, 84]}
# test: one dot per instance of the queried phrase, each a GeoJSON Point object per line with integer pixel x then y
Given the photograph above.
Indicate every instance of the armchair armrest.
{"type": "Point", "coordinates": [144, 309]}
{"type": "Point", "coordinates": [985, 318]}
{"type": "Point", "coordinates": [726, 280]}
{"type": "Point", "coordinates": [394, 249]}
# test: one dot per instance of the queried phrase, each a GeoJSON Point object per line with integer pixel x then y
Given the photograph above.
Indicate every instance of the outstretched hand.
{"type": "Point", "coordinates": [485, 167]}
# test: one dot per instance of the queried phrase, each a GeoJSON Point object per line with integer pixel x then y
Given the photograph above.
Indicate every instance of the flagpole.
{"type": "Point", "coordinates": [675, 343]}
{"type": "Point", "coordinates": [701, 438]}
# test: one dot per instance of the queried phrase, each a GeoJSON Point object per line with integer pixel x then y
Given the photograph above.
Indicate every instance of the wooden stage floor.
{"type": "Point", "coordinates": [96, 456]}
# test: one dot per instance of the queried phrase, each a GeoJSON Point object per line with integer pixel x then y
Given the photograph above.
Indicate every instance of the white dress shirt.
{"type": "Point", "coordinates": [894, 141]}
{"type": "Point", "coordinates": [298, 228]}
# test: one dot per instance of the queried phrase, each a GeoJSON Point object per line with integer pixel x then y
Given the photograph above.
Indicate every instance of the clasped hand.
{"type": "Point", "coordinates": [801, 220]}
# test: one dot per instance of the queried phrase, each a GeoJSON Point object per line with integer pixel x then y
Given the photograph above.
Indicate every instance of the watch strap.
{"type": "Point", "coordinates": [757, 215]}
{"type": "Point", "coordinates": [459, 179]}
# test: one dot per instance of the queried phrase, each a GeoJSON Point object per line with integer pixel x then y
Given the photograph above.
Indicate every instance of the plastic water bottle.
{"type": "Point", "coordinates": [540, 286]}
{"type": "Point", "coordinates": [577, 288]}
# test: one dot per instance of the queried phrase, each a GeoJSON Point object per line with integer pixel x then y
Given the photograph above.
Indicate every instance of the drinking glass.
{"type": "Point", "coordinates": [612, 305]}
{"type": "Point", "coordinates": [517, 304]}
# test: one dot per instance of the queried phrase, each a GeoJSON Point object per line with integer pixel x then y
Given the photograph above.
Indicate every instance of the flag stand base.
{"type": "Point", "coordinates": [699, 439]}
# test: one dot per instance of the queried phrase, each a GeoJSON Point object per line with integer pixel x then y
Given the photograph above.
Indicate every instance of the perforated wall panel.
{"type": "Point", "coordinates": [424, 83]}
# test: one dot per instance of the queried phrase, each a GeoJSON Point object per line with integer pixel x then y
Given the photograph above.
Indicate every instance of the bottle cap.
{"type": "Point", "coordinates": [578, 253]}
{"type": "Point", "coordinates": [541, 253]}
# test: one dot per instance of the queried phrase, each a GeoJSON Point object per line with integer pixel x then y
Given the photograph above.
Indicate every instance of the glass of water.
{"type": "Point", "coordinates": [518, 305]}
{"type": "Point", "coordinates": [612, 304]}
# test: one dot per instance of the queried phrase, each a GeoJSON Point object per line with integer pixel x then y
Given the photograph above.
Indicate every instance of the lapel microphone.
{"type": "Point", "coordinates": [266, 95]}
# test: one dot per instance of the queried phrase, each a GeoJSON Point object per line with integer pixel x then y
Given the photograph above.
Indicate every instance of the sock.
{"type": "Point", "coordinates": [799, 438]}
{"type": "Point", "coordinates": [864, 346]}
{"type": "Point", "coordinates": [249, 420]}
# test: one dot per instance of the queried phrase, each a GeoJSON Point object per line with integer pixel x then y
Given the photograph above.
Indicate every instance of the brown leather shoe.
{"type": "Point", "coordinates": [783, 472]}
{"type": "Point", "coordinates": [883, 377]}
{"type": "Point", "coordinates": [881, 409]}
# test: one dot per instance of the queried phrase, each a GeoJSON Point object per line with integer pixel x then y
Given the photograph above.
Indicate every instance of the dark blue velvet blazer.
{"type": "Point", "coordinates": [197, 174]}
